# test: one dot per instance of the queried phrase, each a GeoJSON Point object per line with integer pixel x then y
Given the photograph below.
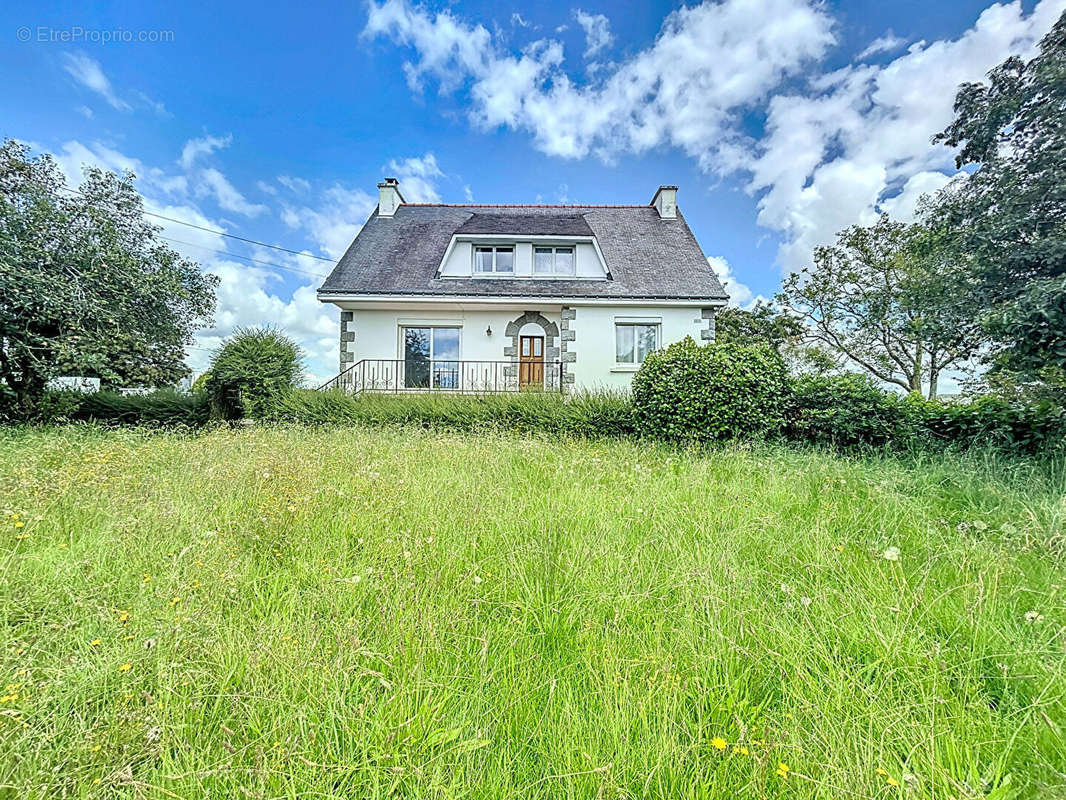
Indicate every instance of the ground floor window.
{"type": "Point", "coordinates": [431, 358]}
{"type": "Point", "coordinates": [633, 341]}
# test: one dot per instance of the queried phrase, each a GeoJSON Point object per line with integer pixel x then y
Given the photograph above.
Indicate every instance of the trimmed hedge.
{"type": "Point", "coordinates": [162, 407]}
{"type": "Point", "coordinates": [691, 393]}
{"type": "Point", "coordinates": [846, 411]}
{"type": "Point", "coordinates": [1012, 425]}
{"type": "Point", "coordinates": [600, 414]}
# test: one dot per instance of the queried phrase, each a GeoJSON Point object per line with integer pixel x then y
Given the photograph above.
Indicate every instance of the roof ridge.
{"type": "Point", "coordinates": [526, 205]}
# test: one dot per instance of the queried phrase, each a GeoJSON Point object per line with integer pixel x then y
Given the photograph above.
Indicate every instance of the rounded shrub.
{"type": "Point", "coordinates": [847, 411]}
{"type": "Point", "coordinates": [721, 391]}
{"type": "Point", "coordinates": [252, 367]}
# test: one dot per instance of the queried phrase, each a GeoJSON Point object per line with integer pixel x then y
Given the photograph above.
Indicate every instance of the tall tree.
{"type": "Point", "coordinates": [86, 287]}
{"type": "Point", "coordinates": [869, 298]}
{"type": "Point", "coordinates": [763, 323]}
{"type": "Point", "coordinates": [1008, 219]}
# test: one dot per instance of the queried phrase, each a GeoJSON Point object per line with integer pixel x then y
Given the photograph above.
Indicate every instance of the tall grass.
{"type": "Point", "coordinates": [405, 613]}
{"type": "Point", "coordinates": [582, 414]}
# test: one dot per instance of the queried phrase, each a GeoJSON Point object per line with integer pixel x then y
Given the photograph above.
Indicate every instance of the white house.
{"type": "Point", "coordinates": [508, 297]}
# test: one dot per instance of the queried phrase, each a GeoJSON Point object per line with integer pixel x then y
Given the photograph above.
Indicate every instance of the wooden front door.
{"type": "Point", "coordinates": [531, 362]}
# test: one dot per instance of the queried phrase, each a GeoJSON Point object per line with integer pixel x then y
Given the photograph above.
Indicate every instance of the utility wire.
{"type": "Point", "coordinates": [245, 258]}
{"type": "Point", "coordinates": [221, 233]}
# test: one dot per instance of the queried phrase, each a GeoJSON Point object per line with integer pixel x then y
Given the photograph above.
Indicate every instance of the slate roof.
{"type": "Point", "coordinates": [647, 257]}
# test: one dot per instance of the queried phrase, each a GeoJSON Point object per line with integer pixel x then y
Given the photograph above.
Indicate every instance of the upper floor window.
{"type": "Point", "coordinates": [553, 260]}
{"type": "Point", "coordinates": [494, 259]}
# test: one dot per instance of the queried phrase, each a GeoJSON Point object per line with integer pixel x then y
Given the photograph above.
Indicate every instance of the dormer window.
{"type": "Point", "coordinates": [493, 259]}
{"type": "Point", "coordinates": [553, 261]}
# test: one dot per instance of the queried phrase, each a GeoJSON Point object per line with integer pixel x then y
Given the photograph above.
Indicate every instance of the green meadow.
{"type": "Point", "coordinates": [372, 613]}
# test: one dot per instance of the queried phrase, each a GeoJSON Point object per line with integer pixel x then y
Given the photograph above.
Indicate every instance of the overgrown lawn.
{"type": "Point", "coordinates": [368, 613]}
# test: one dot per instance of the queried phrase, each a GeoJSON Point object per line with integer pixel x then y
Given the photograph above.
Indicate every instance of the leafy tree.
{"type": "Point", "coordinates": [761, 324]}
{"type": "Point", "coordinates": [200, 384]}
{"type": "Point", "coordinates": [783, 332]}
{"type": "Point", "coordinates": [251, 368]}
{"type": "Point", "coordinates": [870, 298]}
{"type": "Point", "coordinates": [1008, 219]}
{"type": "Point", "coordinates": [86, 287]}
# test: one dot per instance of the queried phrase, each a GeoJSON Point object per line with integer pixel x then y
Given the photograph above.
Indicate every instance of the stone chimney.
{"type": "Point", "coordinates": [389, 197]}
{"type": "Point", "coordinates": [665, 202]}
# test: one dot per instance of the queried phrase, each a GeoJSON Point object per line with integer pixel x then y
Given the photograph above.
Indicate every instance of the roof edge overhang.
{"type": "Point", "coordinates": [355, 297]}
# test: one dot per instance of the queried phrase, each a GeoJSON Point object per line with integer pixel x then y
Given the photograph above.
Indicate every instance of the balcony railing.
{"type": "Point", "coordinates": [400, 376]}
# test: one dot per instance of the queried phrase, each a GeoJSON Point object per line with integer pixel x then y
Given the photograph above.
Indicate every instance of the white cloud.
{"type": "Point", "coordinates": [153, 104]}
{"type": "Point", "coordinates": [210, 181]}
{"type": "Point", "coordinates": [739, 293]}
{"type": "Point", "coordinates": [708, 64]}
{"type": "Point", "coordinates": [597, 31]}
{"type": "Point", "coordinates": [857, 141]}
{"type": "Point", "coordinates": [265, 188]}
{"type": "Point", "coordinates": [74, 155]}
{"type": "Point", "coordinates": [298, 185]}
{"type": "Point", "coordinates": [333, 224]}
{"type": "Point", "coordinates": [205, 146]}
{"type": "Point", "coordinates": [89, 74]}
{"type": "Point", "coordinates": [85, 111]}
{"type": "Point", "coordinates": [882, 44]}
{"type": "Point", "coordinates": [416, 176]}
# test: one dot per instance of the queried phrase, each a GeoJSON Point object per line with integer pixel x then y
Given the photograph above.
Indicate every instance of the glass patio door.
{"type": "Point", "coordinates": [431, 358]}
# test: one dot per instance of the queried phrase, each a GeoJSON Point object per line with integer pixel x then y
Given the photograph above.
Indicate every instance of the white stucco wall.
{"type": "Point", "coordinates": [594, 339]}
{"type": "Point", "coordinates": [377, 334]}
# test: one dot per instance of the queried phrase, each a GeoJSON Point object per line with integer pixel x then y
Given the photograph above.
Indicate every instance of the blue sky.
{"type": "Point", "coordinates": [781, 120]}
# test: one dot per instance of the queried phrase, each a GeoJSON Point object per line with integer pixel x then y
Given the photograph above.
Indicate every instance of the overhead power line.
{"type": "Point", "coordinates": [222, 233]}
{"type": "Point", "coordinates": [243, 258]}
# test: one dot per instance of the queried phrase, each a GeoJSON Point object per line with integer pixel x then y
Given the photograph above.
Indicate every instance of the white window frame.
{"type": "Point", "coordinates": [555, 248]}
{"type": "Point", "coordinates": [636, 323]}
{"type": "Point", "coordinates": [495, 248]}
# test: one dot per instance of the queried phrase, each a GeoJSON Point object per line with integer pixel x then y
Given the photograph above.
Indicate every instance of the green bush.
{"type": "Point", "coordinates": [691, 393]}
{"type": "Point", "coordinates": [252, 367]}
{"type": "Point", "coordinates": [847, 411]}
{"type": "Point", "coordinates": [1027, 427]}
{"type": "Point", "coordinates": [586, 414]}
{"type": "Point", "coordinates": [162, 407]}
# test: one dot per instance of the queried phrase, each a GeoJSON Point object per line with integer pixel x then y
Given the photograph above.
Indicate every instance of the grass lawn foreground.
{"type": "Point", "coordinates": [366, 613]}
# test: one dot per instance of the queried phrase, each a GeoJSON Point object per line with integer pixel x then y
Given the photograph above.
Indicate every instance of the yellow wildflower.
{"type": "Point", "coordinates": [125, 667]}
{"type": "Point", "coordinates": [743, 751]}
{"type": "Point", "coordinates": [96, 642]}
{"type": "Point", "coordinates": [881, 772]}
{"type": "Point", "coordinates": [783, 767]}
{"type": "Point", "coordinates": [718, 743]}
{"type": "Point", "coordinates": [892, 782]}
{"type": "Point", "coordinates": [175, 601]}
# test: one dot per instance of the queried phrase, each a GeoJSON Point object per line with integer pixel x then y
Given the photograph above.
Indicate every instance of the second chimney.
{"type": "Point", "coordinates": [665, 202]}
{"type": "Point", "coordinates": [389, 197]}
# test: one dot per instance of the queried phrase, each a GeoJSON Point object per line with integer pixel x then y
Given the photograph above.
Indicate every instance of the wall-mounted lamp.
{"type": "Point", "coordinates": [488, 331]}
